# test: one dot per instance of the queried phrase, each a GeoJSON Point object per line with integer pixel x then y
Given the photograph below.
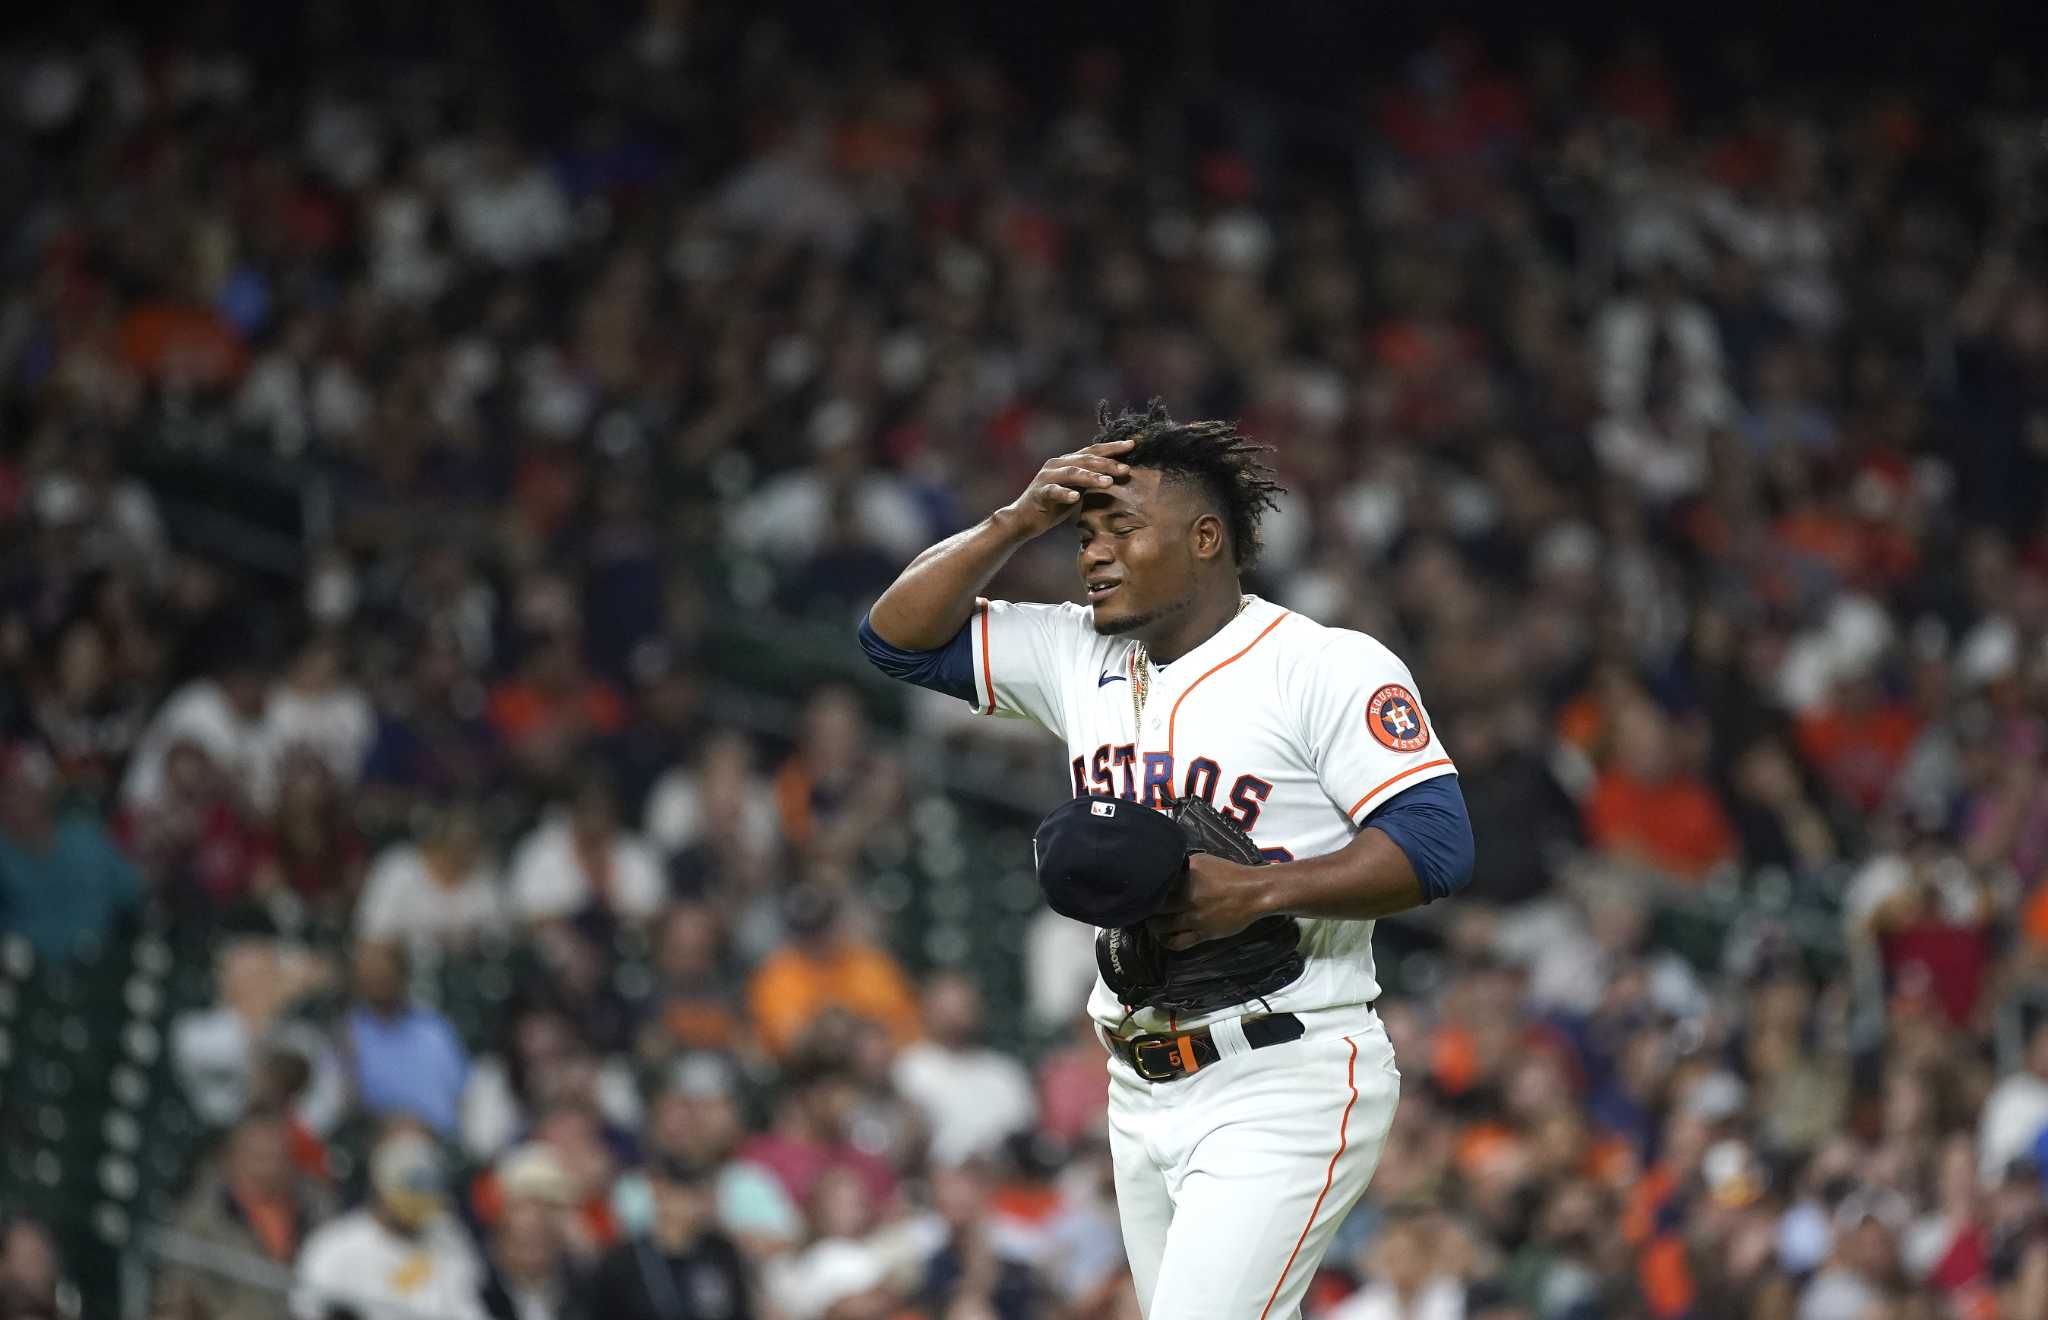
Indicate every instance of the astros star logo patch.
{"type": "Point", "coordinates": [1395, 718]}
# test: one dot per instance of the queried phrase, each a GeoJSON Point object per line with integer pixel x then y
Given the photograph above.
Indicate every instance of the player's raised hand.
{"type": "Point", "coordinates": [1054, 495]}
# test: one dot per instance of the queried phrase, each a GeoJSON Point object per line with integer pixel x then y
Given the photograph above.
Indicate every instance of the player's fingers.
{"type": "Point", "coordinates": [1094, 462]}
{"type": "Point", "coordinates": [1052, 493]}
{"type": "Point", "coordinates": [1169, 926]}
{"type": "Point", "coordinates": [1100, 462]}
{"type": "Point", "coordinates": [1080, 477]}
{"type": "Point", "coordinates": [1111, 447]}
{"type": "Point", "coordinates": [1068, 463]}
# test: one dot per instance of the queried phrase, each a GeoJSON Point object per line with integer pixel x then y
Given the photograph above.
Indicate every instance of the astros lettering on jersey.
{"type": "Point", "coordinates": [1294, 730]}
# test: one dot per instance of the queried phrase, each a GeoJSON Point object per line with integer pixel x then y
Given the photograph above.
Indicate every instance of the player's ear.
{"type": "Point", "coordinates": [1207, 536]}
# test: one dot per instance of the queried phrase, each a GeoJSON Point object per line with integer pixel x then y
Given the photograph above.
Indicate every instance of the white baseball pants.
{"type": "Point", "coordinates": [1231, 1183]}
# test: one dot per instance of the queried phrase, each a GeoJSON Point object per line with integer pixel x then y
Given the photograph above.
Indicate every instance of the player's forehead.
{"type": "Point", "coordinates": [1144, 492]}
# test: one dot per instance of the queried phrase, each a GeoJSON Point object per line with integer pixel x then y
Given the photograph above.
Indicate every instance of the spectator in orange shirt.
{"type": "Point", "coordinates": [552, 707]}
{"type": "Point", "coordinates": [826, 965]}
{"type": "Point", "coordinates": [183, 341]}
{"type": "Point", "coordinates": [1647, 807]}
{"type": "Point", "coordinates": [1588, 717]}
{"type": "Point", "coordinates": [1858, 740]}
{"type": "Point", "coordinates": [835, 788]}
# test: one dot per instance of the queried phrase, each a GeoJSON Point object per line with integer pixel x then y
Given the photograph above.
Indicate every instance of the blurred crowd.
{"type": "Point", "coordinates": [1686, 434]}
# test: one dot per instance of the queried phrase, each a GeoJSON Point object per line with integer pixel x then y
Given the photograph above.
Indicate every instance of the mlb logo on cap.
{"type": "Point", "coordinates": [1102, 808]}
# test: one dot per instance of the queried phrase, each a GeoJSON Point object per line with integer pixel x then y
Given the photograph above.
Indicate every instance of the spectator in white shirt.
{"type": "Point", "coordinates": [1405, 1278]}
{"type": "Point", "coordinates": [276, 398]}
{"type": "Point", "coordinates": [578, 858]}
{"type": "Point", "coordinates": [1626, 337]}
{"type": "Point", "coordinates": [217, 1053]}
{"type": "Point", "coordinates": [508, 209]}
{"type": "Point", "coordinates": [406, 263]}
{"type": "Point", "coordinates": [972, 1096]}
{"type": "Point", "coordinates": [224, 715]}
{"type": "Point", "coordinates": [440, 894]}
{"type": "Point", "coordinates": [112, 516]}
{"type": "Point", "coordinates": [789, 517]}
{"type": "Point", "coordinates": [720, 796]}
{"type": "Point", "coordinates": [1658, 358]}
{"type": "Point", "coordinates": [400, 1256]}
{"type": "Point", "coordinates": [316, 707]}
{"type": "Point", "coordinates": [791, 192]}
{"type": "Point", "coordinates": [2016, 1112]}
{"type": "Point", "coordinates": [1858, 1277]}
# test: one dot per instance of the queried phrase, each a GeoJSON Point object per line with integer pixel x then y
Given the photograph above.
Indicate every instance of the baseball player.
{"type": "Point", "coordinates": [1248, 1107]}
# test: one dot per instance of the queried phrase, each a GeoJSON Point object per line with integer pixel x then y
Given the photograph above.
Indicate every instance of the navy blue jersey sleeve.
{"type": "Point", "coordinates": [1429, 823]}
{"type": "Point", "coordinates": [949, 669]}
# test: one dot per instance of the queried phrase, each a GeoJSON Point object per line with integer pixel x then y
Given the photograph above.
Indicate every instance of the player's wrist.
{"type": "Point", "coordinates": [1015, 526]}
{"type": "Point", "coordinates": [1267, 890]}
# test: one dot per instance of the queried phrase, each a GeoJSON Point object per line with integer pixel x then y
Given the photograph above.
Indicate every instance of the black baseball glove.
{"type": "Point", "coordinates": [1258, 960]}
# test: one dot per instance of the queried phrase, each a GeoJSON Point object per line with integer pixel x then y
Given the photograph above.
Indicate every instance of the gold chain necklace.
{"type": "Point", "coordinates": [1141, 681]}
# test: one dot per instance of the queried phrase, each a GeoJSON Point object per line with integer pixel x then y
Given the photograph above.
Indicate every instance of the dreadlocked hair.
{"type": "Point", "coordinates": [1230, 468]}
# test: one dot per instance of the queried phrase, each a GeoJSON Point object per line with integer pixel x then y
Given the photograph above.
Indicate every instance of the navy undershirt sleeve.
{"type": "Point", "coordinates": [1429, 824]}
{"type": "Point", "coordinates": [949, 669]}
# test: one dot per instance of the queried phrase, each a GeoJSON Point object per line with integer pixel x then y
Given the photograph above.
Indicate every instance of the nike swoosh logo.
{"type": "Point", "coordinates": [1107, 679]}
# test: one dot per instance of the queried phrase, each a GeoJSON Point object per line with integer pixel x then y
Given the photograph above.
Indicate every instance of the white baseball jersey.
{"type": "Point", "coordinates": [1295, 731]}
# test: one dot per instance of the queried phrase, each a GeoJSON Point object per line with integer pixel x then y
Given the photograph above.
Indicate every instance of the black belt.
{"type": "Point", "coordinates": [1169, 1058]}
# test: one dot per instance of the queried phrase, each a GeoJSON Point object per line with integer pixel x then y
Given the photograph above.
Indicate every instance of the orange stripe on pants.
{"type": "Point", "coordinates": [1329, 1176]}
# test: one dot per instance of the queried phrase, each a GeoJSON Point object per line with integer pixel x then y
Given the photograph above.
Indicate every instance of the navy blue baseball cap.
{"type": "Point", "coordinates": [1108, 861]}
